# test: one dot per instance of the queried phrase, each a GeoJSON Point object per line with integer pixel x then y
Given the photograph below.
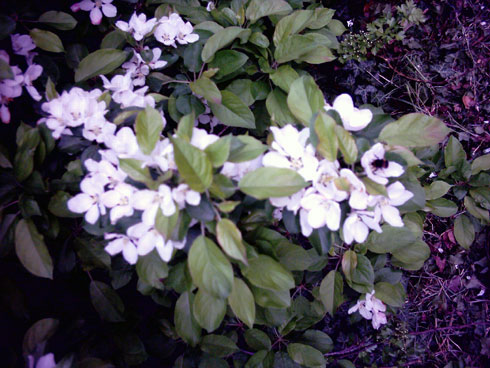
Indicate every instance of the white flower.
{"type": "Point", "coordinates": [122, 243]}
{"type": "Point", "coordinates": [94, 7]}
{"type": "Point", "coordinates": [32, 73]}
{"type": "Point", "coordinates": [372, 309]}
{"type": "Point", "coordinates": [163, 156]}
{"type": "Point", "coordinates": [165, 33]}
{"type": "Point", "coordinates": [292, 152]}
{"type": "Point", "coordinates": [236, 171]}
{"type": "Point", "coordinates": [89, 200]}
{"type": "Point", "coordinates": [98, 130]}
{"type": "Point", "coordinates": [138, 26]}
{"type": "Point", "coordinates": [4, 113]}
{"type": "Point", "coordinates": [397, 195]}
{"type": "Point", "coordinates": [139, 69]}
{"type": "Point", "coordinates": [22, 44]}
{"type": "Point", "coordinates": [120, 201]}
{"type": "Point", "coordinates": [183, 194]}
{"type": "Point", "coordinates": [322, 210]}
{"type": "Point", "coordinates": [377, 168]}
{"type": "Point", "coordinates": [184, 34]}
{"type": "Point", "coordinates": [358, 196]}
{"type": "Point", "coordinates": [306, 228]}
{"type": "Point", "coordinates": [357, 224]}
{"type": "Point", "coordinates": [291, 203]}
{"type": "Point", "coordinates": [210, 6]}
{"type": "Point", "coordinates": [46, 361]}
{"type": "Point", "coordinates": [149, 201]}
{"type": "Point", "coordinates": [324, 180]}
{"type": "Point", "coordinates": [105, 172]}
{"type": "Point", "coordinates": [354, 119]}
{"type": "Point", "coordinates": [123, 143]}
{"type": "Point", "coordinates": [201, 139]}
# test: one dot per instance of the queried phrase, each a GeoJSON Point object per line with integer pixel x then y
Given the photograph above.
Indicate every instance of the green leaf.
{"type": "Point", "coordinates": [331, 291]}
{"type": "Point", "coordinates": [390, 240]}
{"type": "Point", "coordinates": [151, 269]}
{"type": "Point", "coordinates": [258, 8]}
{"type": "Point", "coordinates": [393, 295]}
{"type": "Point", "coordinates": [193, 165]}
{"type": "Point", "coordinates": [464, 231]}
{"type": "Point", "coordinates": [114, 40]}
{"type": "Point", "coordinates": [277, 107]}
{"type": "Point", "coordinates": [317, 339]}
{"type": "Point", "coordinates": [481, 196]}
{"type": "Point", "coordinates": [305, 99]}
{"type": "Point", "coordinates": [327, 139]}
{"type": "Point", "coordinates": [227, 61]}
{"type": "Point", "coordinates": [362, 276]}
{"type": "Point", "coordinates": [266, 273]}
{"type": "Point", "coordinates": [291, 24]}
{"type": "Point", "coordinates": [135, 170]}
{"type": "Point", "coordinates": [186, 127]}
{"type": "Point", "coordinates": [47, 41]}
{"type": "Point", "coordinates": [31, 249]}
{"type": "Point", "coordinates": [442, 207]}
{"type": "Point", "coordinates": [258, 39]}
{"type": "Point", "coordinates": [208, 310]}
{"type": "Point", "coordinates": [413, 255]}
{"type": "Point", "coordinates": [436, 189]}
{"type": "Point", "coordinates": [337, 27]}
{"type": "Point", "coordinates": [266, 182]}
{"type": "Point", "coordinates": [475, 210]}
{"type": "Point", "coordinates": [296, 47]}
{"type": "Point", "coordinates": [270, 298]}
{"type": "Point", "coordinates": [243, 89]}
{"type": "Point", "coordinates": [185, 323]}
{"type": "Point", "coordinates": [293, 257]}
{"type": "Point", "coordinates": [257, 339]}
{"type": "Point", "coordinates": [349, 264]}
{"type": "Point", "coordinates": [58, 20]}
{"type": "Point", "coordinates": [415, 130]}
{"type": "Point", "coordinates": [106, 302]}
{"type": "Point", "coordinates": [242, 302]}
{"type": "Point", "coordinates": [230, 240]}
{"type": "Point", "coordinates": [283, 77]}
{"type": "Point", "coordinates": [454, 152]}
{"type": "Point", "coordinates": [57, 205]}
{"type": "Point", "coordinates": [5, 70]}
{"type": "Point", "coordinates": [218, 345]}
{"type": "Point", "coordinates": [306, 355]}
{"type": "Point", "coordinates": [232, 111]}
{"type": "Point", "coordinates": [219, 151]}
{"type": "Point", "coordinates": [192, 57]}
{"type": "Point", "coordinates": [24, 157]}
{"type": "Point", "coordinates": [148, 127]}
{"type": "Point", "coordinates": [322, 17]}
{"type": "Point", "coordinates": [245, 148]}
{"type": "Point", "coordinates": [481, 163]}
{"type": "Point", "coordinates": [38, 334]}
{"type": "Point", "coordinates": [222, 39]}
{"type": "Point", "coordinates": [98, 63]}
{"type": "Point", "coordinates": [347, 145]}
{"type": "Point", "coordinates": [319, 55]}
{"type": "Point", "coordinates": [206, 88]}
{"type": "Point", "coordinates": [209, 268]}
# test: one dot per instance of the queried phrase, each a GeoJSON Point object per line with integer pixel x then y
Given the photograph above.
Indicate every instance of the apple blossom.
{"type": "Point", "coordinates": [105, 172]}
{"type": "Point", "coordinates": [183, 194]}
{"type": "Point", "coordinates": [353, 119]}
{"type": "Point", "coordinates": [32, 73]}
{"type": "Point", "coordinates": [95, 7]}
{"type": "Point", "coordinates": [122, 243]}
{"type": "Point", "coordinates": [123, 143]}
{"type": "Point", "coordinates": [397, 195]}
{"type": "Point", "coordinates": [357, 224]}
{"type": "Point", "coordinates": [149, 201]}
{"type": "Point", "coordinates": [22, 44]}
{"type": "Point", "coordinates": [138, 26]}
{"type": "Point", "coordinates": [89, 200]}
{"type": "Point", "coordinates": [139, 68]}
{"type": "Point", "coordinates": [120, 200]}
{"type": "Point", "coordinates": [165, 33]}
{"type": "Point", "coordinates": [201, 139]}
{"type": "Point", "coordinates": [321, 210]}
{"type": "Point", "coordinates": [372, 309]}
{"type": "Point", "coordinates": [377, 168]}
{"type": "Point", "coordinates": [236, 171]}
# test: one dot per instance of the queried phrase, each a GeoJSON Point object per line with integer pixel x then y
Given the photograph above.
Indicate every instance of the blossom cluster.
{"type": "Point", "coordinates": [96, 8]}
{"type": "Point", "coordinates": [329, 184]}
{"type": "Point", "coordinates": [372, 309]}
{"type": "Point", "coordinates": [12, 88]}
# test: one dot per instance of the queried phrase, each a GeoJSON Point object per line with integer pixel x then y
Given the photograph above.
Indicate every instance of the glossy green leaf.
{"type": "Point", "coordinates": [5, 70]}
{"type": "Point", "coordinates": [230, 240]}
{"type": "Point", "coordinates": [245, 148]}
{"type": "Point", "coordinates": [185, 323]}
{"type": "Point", "coordinates": [58, 20]}
{"type": "Point", "coordinates": [7, 26]}
{"type": "Point", "coordinates": [257, 9]}
{"type": "Point", "coordinates": [242, 302]}
{"type": "Point", "coordinates": [393, 295]}
{"type": "Point", "coordinates": [148, 127]}
{"type": "Point", "coordinates": [413, 255]}
{"type": "Point", "coordinates": [106, 302]}
{"type": "Point", "coordinates": [327, 138]}
{"type": "Point", "coordinates": [277, 107]}
{"type": "Point", "coordinates": [415, 130]}
{"type": "Point", "coordinates": [257, 339]}
{"type": "Point", "coordinates": [114, 40]}
{"type": "Point", "coordinates": [227, 61]}
{"type": "Point", "coordinates": [46, 40]}
{"type": "Point", "coordinates": [208, 310]}
{"type": "Point", "coordinates": [31, 249]}
{"type": "Point", "coordinates": [283, 77]}
{"type": "Point", "coordinates": [222, 39]}
{"type": "Point", "coordinates": [306, 355]}
{"type": "Point", "coordinates": [442, 207]}
{"type": "Point", "coordinates": [232, 111]}
{"type": "Point", "coordinates": [347, 145]}
{"type": "Point", "coordinates": [99, 62]}
{"type": "Point", "coordinates": [305, 99]}
{"type": "Point", "coordinates": [209, 268]}
{"type": "Point", "coordinates": [266, 273]}
{"type": "Point", "coordinates": [267, 182]}
{"type": "Point", "coordinates": [206, 88]}
{"type": "Point", "coordinates": [151, 269]}
{"type": "Point", "coordinates": [436, 189]}
{"type": "Point", "coordinates": [454, 152]}
{"type": "Point", "coordinates": [464, 231]}
{"type": "Point", "coordinates": [219, 151]}
{"type": "Point", "coordinates": [218, 345]}
{"type": "Point", "coordinates": [481, 163]}
{"type": "Point", "coordinates": [57, 205]}
{"type": "Point", "coordinates": [291, 24]}
{"type": "Point", "coordinates": [318, 340]}
{"type": "Point", "coordinates": [293, 257]}
{"type": "Point", "coordinates": [391, 239]}
{"type": "Point", "coordinates": [135, 170]}
{"type": "Point", "coordinates": [193, 165]}
{"type": "Point", "coordinates": [270, 298]}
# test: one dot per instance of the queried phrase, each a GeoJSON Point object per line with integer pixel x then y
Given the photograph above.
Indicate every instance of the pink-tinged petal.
{"type": "Point", "coordinates": [130, 253]}
{"type": "Point", "coordinates": [34, 93]}
{"type": "Point", "coordinates": [168, 206]}
{"type": "Point", "coordinates": [109, 10]}
{"type": "Point", "coordinates": [165, 251]}
{"type": "Point", "coordinates": [86, 5]}
{"type": "Point", "coordinates": [365, 313]}
{"type": "Point", "coordinates": [116, 246]}
{"type": "Point", "coordinates": [95, 16]}
{"type": "Point", "coordinates": [5, 114]}
{"type": "Point", "coordinates": [92, 215]}
{"type": "Point", "coordinates": [75, 7]}
{"type": "Point", "coordinates": [46, 361]}
{"type": "Point", "coordinates": [354, 308]}
{"type": "Point", "coordinates": [80, 203]}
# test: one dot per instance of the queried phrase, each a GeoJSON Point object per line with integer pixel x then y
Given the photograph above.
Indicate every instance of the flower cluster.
{"type": "Point", "coordinates": [96, 9]}
{"type": "Point", "coordinates": [372, 309]}
{"type": "Point", "coordinates": [12, 88]}
{"type": "Point", "coordinates": [319, 204]}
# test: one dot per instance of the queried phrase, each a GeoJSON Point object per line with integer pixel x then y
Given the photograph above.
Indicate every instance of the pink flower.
{"type": "Point", "coordinates": [94, 7]}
